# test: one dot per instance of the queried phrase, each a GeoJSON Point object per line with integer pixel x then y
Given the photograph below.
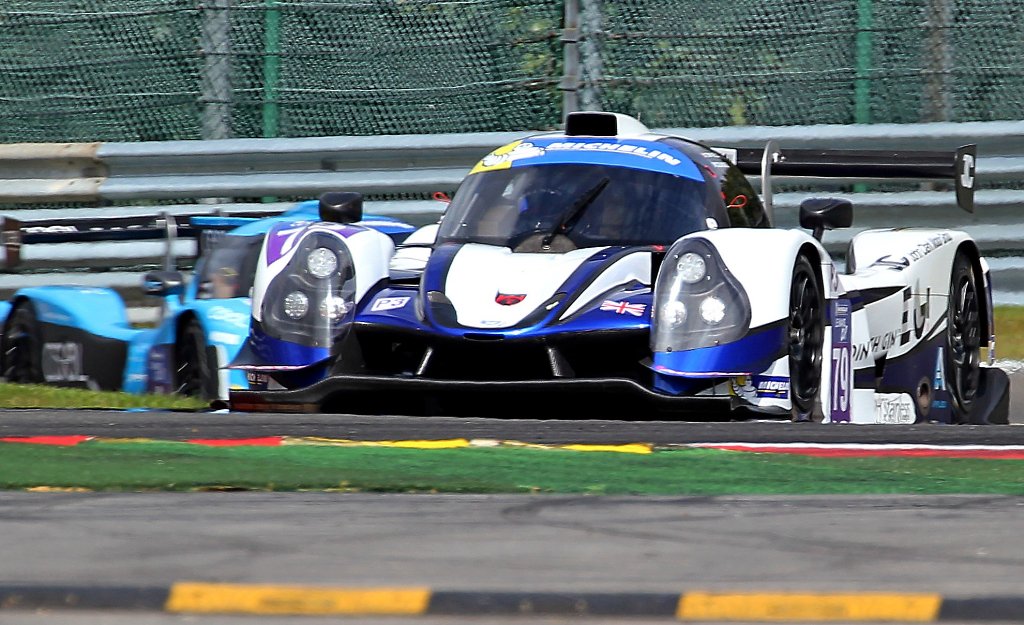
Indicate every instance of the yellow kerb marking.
{"type": "Point", "coordinates": [703, 606]}
{"type": "Point", "coordinates": [257, 599]}
{"type": "Point", "coordinates": [452, 443]}
{"type": "Point", "coordinates": [632, 448]}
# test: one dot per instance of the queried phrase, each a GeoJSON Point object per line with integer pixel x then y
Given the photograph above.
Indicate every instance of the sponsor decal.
{"type": "Point", "coordinates": [257, 381]}
{"type": "Point", "coordinates": [921, 313]}
{"type": "Point", "coordinates": [916, 312]}
{"type": "Point", "coordinates": [222, 313]}
{"type": "Point", "coordinates": [775, 388]}
{"type": "Point", "coordinates": [939, 381]}
{"type": "Point", "coordinates": [282, 239]}
{"type": "Point", "coordinates": [759, 387]}
{"type": "Point", "coordinates": [509, 299]}
{"type": "Point", "coordinates": [622, 148]}
{"type": "Point", "coordinates": [876, 344]}
{"type": "Point", "coordinates": [158, 365]}
{"type": "Point", "coordinates": [504, 156]}
{"type": "Point", "coordinates": [894, 408]}
{"type": "Point", "coordinates": [62, 362]}
{"type": "Point", "coordinates": [624, 308]}
{"type": "Point", "coordinates": [655, 156]}
{"type": "Point", "coordinates": [389, 303]}
{"type": "Point", "coordinates": [919, 251]}
{"type": "Point", "coordinates": [842, 362]}
{"type": "Point", "coordinates": [967, 175]}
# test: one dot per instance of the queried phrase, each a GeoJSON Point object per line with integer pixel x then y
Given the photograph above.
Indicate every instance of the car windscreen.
{"type": "Point", "coordinates": [230, 267]}
{"type": "Point", "coordinates": [593, 205]}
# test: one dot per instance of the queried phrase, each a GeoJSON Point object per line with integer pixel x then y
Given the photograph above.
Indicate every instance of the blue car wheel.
{"type": "Point", "coordinates": [193, 376]}
{"type": "Point", "coordinates": [22, 355]}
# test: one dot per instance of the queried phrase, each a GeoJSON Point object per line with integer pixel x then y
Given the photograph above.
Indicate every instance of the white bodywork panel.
{"type": "Point", "coordinates": [478, 273]}
{"type": "Point", "coordinates": [635, 267]}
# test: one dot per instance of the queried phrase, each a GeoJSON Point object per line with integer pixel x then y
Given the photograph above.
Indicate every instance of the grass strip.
{"type": "Point", "coordinates": [172, 466]}
{"type": "Point", "coordinates": [1009, 332]}
{"type": "Point", "coordinates": [42, 396]}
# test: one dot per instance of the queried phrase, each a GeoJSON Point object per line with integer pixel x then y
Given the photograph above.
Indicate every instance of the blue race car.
{"type": "Point", "coordinates": [81, 336]}
{"type": "Point", "coordinates": [609, 270]}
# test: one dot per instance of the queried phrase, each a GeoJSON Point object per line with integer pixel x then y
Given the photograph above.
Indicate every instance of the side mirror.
{"type": "Point", "coordinates": [163, 283]}
{"type": "Point", "coordinates": [343, 207]}
{"type": "Point", "coordinates": [825, 213]}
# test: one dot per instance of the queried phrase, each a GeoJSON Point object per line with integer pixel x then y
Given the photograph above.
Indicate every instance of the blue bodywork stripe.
{"type": "Point", "coordinates": [747, 356]}
{"type": "Point", "coordinates": [631, 153]}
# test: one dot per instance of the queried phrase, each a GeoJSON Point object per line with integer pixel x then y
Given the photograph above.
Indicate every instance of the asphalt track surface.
{"type": "Point", "coordinates": [967, 547]}
{"type": "Point", "coordinates": [183, 426]}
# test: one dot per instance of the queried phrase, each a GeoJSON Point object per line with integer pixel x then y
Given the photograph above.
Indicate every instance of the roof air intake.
{"type": "Point", "coordinates": [591, 124]}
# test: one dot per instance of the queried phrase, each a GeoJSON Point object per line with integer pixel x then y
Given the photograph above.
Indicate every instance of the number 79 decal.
{"type": "Point", "coordinates": [841, 383]}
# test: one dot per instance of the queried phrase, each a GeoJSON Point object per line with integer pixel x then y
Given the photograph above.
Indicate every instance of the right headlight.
{"type": "Point", "coordinates": [313, 297]}
{"type": "Point", "coordinates": [691, 268]}
{"type": "Point", "coordinates": [697, 300]}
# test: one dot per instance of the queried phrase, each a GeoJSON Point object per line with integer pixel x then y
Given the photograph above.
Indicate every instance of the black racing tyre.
{"type": "Point", "coordinates": [22, 346]}
{"type": "Point", "coordinates": [963, 338]}
{"type": "Point", "coordinates": [806, 336]}
{"type": "Point", "coordinates": [193, 377]}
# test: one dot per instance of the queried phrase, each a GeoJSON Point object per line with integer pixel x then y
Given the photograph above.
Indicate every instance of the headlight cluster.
{"type": "Point", "coordinates": [313, 295]}
{"type": "Point", "coordinates": [322, 262]}
{"type": "Point", "coordinates": [698, 303]}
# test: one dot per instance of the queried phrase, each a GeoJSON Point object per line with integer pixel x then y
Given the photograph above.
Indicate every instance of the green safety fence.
{"type": "Point", "coordinates": [138, 70]}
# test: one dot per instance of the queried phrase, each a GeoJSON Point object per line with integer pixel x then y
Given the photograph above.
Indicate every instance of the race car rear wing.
{"type": "Point", "coordinates": [956, 166]}
{"type": "Point", "coordinates": [15, 233]}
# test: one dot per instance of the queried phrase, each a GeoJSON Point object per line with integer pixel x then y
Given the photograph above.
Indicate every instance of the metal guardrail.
{"type": "Point", "coordinates": [390, 164]}
{"type": "Point", "coordinates": [239, 169]}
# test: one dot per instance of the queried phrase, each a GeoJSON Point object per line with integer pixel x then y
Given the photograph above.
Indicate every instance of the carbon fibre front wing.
{"type": "Point", "coordinates": [590, 398]}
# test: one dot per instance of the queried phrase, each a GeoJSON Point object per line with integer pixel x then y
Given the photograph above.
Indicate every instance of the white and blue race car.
{"type": "Point", "coordinates": [81, 336]}
{"type": "Point", "coordinates": [611, 271]}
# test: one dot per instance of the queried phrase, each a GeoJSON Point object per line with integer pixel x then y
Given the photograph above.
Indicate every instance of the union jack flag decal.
{"type": "Point", "coordinates": [623, 308]}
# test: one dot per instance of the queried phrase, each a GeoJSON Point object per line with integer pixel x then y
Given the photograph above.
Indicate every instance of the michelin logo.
{"type": "Point", "coordinates": [760, 387]}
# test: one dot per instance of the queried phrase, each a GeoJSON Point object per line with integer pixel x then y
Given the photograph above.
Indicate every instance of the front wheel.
{"type": "Point", "coordinates": [22, 346]}
{"type": "Point", "coordinates": [193, 375]}
{"type": "Point", "coordinates": [963, 338]}
{"type": "Point", "coordinates": [806, 338]}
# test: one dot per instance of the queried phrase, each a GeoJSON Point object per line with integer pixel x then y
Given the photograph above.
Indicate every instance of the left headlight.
{"type": "Point", "coordinates": [697, 300]}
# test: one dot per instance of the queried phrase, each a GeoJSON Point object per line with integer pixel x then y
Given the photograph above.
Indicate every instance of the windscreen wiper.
{"type": "Point", "coordinates": [574, 212]}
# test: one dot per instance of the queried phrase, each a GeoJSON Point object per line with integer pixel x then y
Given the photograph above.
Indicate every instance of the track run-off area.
{"type": "Point", "coordinates": [83, 557]}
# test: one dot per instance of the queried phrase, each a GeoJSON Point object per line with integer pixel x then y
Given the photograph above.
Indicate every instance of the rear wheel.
{"type": "Point", "coordinates": [963, 338]}
{"type": "Point", "coordinates": [193, 377]}
{"type": "Point", "coordinates": [806, 338]}
{"type": "Point", "coordinates": [22, 346]}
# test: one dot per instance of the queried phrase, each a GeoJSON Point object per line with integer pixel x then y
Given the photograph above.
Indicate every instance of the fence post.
{"type": "Point", "coordinates": [271, 65]}
{"type": "Point", "coordinates": [862, 83]}
{"type": "Point", "coordinates": [937, 101]}
{"type": "Point", "coordinates": [570, 82]}
{"type": "Point", "coordinates": [593, 71]}
{"type": "Point", "coordinates": [216, 48]}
